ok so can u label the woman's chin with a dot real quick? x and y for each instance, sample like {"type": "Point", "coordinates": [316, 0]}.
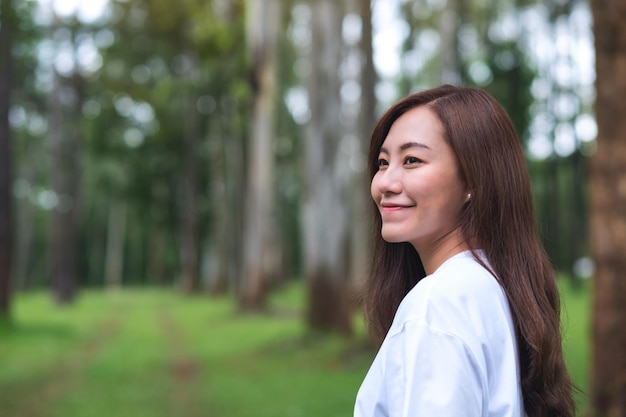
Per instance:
{"type": "Point", "coordinates": [392, 238]}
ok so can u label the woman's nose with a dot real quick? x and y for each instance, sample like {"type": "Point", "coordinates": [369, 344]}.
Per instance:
{"type": "Point", "coordinates": [387, 181]}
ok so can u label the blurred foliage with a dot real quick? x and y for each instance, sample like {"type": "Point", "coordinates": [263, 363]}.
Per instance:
{"type": "Point", "coordinates": [156, 74]}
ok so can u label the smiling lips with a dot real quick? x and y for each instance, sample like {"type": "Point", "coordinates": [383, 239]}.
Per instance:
{"type": "Point", "coordinates": [392, 207]}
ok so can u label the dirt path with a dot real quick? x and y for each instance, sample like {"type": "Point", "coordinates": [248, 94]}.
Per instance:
{"type": "Point", "coordinates": [183, 370]}
{"type": "Point", "coordinates": [62, 378]}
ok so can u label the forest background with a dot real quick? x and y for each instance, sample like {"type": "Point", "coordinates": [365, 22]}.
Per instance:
{"type": "Point", "coordinates": [218, 146]}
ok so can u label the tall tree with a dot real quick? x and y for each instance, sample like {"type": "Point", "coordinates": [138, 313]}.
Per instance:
{"type": "Point", "coordinates": [361, 245]}
{"type": "Point", "coordinates": [190, 183]}
{"type": "Point", "coordinates": [450, 22]}
{"type": "Point", "coordinates": [6, 197]}
{"type": "Point", "coordinates": [368, 72]}
{"type": "Point", "coordinates": [116, 233]}
{"type": "Point", "coordinates": [226, 109]}
{"type": "Point", "coordinates": [608, 213]}
{"type": "Point", "coordinates": [259, 244]}
{"type": "Point", "coordinates": [28, 102]}
{"type": "Point", "coordinates": [326, 198]}
{"type": "Point", "coordinates": [64, 134]}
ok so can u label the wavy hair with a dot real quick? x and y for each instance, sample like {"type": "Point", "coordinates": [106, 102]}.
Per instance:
{"type": "Point", "coordinates": [500, 221]}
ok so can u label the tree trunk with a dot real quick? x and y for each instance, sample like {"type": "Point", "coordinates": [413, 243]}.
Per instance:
{"type": "Point", "coordinates": [24, 220]}
{"type": "Point", "coordinates": [450, 22]}
{"type": "Point", "coordinates": [189, 216]}
{"type": "Point", "coordinates": [223, 257]}
{"type": "Point", "coordinates": [116, 234]}
{"type": "Point", "coordinates": [326, 223]}
{"type": "Point", "coordinates": [361, 243]}
{"type": "Point", "coordinates": [259, 245]}
{"type": "Point", "coordinates": [155, 258]}
{"type": "Point", "coordinates": [579, 223]}
{"type": "Point", "coordinates": [608, 213]}
{"type": "Point", "coordinates": [553, 207]}
{"type": "Point", "coordinates": [64, 138]}
{"type": "Point", "coordinates": [6, 196]}
{"type": "Point", "coordinates": [219, 254]}
{"type": "Point", "coordinates": [189, 239]}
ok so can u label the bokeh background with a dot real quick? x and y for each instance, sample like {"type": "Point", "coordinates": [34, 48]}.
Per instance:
{"type": "Point", "coordinates": [188, 202]}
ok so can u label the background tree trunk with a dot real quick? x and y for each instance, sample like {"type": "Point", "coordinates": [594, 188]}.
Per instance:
{"type": "Point", "coordinates": [6, 196]}
{"type": "Point", "coordinates": [608, 213]}
{"type": "Point", "coordinates": [450, 21]}
{"type": "Point", "coordinates": [361, 242]}
{"type": "Point", "coordinates": [263, 19]}
{"type": "Point", "coordinates": [24, 220]}
{"type": "Point", "coordinates": [66, 103]}
{"type": "Point", "coordinates": [116, 236]}
{"type": "Point", "coordinates": [189, 216]}
{"type": "Point", "coordinates": [327, 179]}
{"type": "Point", "coordinates": [219, 253]}
{"type": "Point", "coordinates": [155, 262]}
{"type": "Point", "coordinates": [223, 257]}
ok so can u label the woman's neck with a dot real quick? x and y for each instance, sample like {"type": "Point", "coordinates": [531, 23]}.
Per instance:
{"type": "Point", "coordinates": [433, 255]}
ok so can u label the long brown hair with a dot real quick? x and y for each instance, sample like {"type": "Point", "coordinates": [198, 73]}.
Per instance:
{"type": "Point", "coordinates": [500, 221]}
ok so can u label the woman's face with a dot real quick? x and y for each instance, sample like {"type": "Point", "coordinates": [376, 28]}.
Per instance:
{"type": "Point", "coordinates": [417, 187]}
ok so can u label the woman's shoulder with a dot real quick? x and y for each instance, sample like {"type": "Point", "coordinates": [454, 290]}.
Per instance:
{"type": "Point", "coordinates": [460, 275]}
{"type": "Point", "coordinates": [460, 290]}
{"type": "Point", "coordinates": [463, 275]}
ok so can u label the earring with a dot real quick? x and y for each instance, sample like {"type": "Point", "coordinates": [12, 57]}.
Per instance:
{"type": "Point", "coordinates": [469, 196]}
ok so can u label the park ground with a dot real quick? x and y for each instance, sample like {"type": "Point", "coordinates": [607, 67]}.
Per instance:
{"type": "Point", "coordinates": [153, 352]}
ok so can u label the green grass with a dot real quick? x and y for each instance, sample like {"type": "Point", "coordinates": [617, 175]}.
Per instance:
{"type": "Point", "coordinates": [156, 353]}
{"type": "Point", "coordinates": [575, 317]}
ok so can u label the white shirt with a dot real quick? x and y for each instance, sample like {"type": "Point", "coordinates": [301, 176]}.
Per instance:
{"type": "Point", "coordinates": [451, 350]}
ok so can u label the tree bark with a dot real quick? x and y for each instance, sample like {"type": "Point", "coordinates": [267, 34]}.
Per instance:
{"type": "Point", "coordinates": [361, 243]}
{"type": "Point", "coordinates": [64, 135]}
{"type": "Point", "coordinates": [450, 21]}
{"type": "Point", "coordinates": [6, 196]}
{"type": "Point", "coordinates": [223, 258]}
{"type": "Point", "coordinates": [580, 215]}
{"type": "Point", "coordinates": [260, 249]}
{"type": "Point", "coordinates": [189, 215]}
{"type": "Point", "coordinates": [608, 213]}
{"type": "Point", "coordinates": [189, 237]}
{"type": "Point", "coordinates": [116, 234]}
{"type": "Point", "coordinates": [219, 253]}
{"type": "Point", "coordinates": [155, 258]}
{"type": "Point", "coordinates": [326, 197]}
{"type": "Point", "coordinates": [24, 221]}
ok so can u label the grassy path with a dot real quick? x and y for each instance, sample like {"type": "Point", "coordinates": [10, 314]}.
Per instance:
{"type": "Point", "coordinates": [144, 371]}
{"type": "Point", "coordinates": [113, 354]}
{"type": "Point", "coordinates": [155, 353]}
{"type": "Point", "coordinates": [35, 394]}
{"type": "Point", "coordinates": [183, 370]}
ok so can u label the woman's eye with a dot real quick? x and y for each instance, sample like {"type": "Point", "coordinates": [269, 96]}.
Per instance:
{"type": "Point", "coordinates": [382, 163]}
{"type": "Point", "coordinates": [412, 160]}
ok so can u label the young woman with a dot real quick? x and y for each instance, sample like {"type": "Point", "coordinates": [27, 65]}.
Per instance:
{"type": "Point", "coordinates": [462, 296]}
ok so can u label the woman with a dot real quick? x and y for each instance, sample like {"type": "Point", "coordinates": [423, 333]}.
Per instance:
{"type": "Point", "coordinates": [461, 289]}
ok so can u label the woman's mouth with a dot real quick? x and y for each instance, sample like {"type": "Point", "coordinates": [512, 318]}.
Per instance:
{"type": "Point", "coordinates": [392, 207]}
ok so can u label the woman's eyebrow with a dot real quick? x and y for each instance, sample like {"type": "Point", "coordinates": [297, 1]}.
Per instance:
{"type": "Point", "coordinates": [406, 146]}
